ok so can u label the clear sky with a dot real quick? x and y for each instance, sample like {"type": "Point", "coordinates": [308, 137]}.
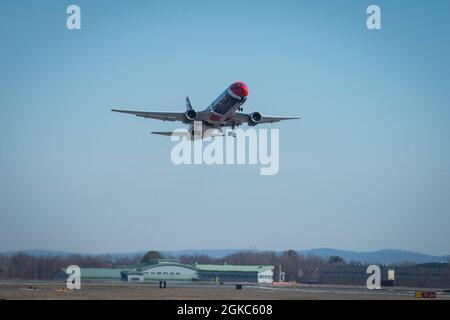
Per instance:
{"type": "Point", "coordinates": [367, 168]}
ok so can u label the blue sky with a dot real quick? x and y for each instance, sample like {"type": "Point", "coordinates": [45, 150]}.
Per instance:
{"type": "Point", "coordinates": [367, 168]}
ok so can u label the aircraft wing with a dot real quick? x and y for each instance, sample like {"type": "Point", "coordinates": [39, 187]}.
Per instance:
{"type": "Point", "coordinates": [240, 118]}
{"type": "Point", "coordinates": [164, 115]}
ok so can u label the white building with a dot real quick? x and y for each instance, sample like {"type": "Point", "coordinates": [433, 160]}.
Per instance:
{"type": "Point", "coordinates": [169, 271]}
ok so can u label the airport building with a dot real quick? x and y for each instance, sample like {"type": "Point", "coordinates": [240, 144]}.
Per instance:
{"type": "Point", "coordinates": [162, 270]}
{"type": "Point", "coordinates": [234, 273]}
{"type": "Point", "coordinates": [428, 275]}
{"type": "Point", "coordinates": [171, 270]}
{"type": "Point", "coordinates": [348, 274]}
{"type": "Point", "coordinates": [106, 274]}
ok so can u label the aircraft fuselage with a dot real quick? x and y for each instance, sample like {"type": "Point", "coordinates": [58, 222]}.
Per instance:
{"type": "Point", "coordinates": [227, 103]}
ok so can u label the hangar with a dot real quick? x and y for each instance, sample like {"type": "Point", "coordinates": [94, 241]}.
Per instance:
{"type": "Point", "coordinates": [235, 273]}
{"type": "Point", "coordinates": [163, 270]}
{"type": "Point", "coordinates": [91, 274]}
{"type": "Point", "coordinates": [172, 270]}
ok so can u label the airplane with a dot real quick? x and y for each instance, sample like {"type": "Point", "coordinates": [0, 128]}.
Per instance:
{"type": "Point", "coordinates": [222, 112]}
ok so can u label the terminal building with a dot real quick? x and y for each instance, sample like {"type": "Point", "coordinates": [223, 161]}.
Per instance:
{"type": "Point", "coordinates": [427, 275]}
{"type": "Point", "coordinates": [348, 274]}
{"type": "Point", "coordinates": [172, 270]}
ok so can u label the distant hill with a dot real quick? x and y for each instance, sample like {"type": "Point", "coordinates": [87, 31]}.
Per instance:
{"type": "Point", "coordinates": [39, 253]}
{"type": "Point", "coordinates": [54, 253]}
{"type": "Point", "coordinates": [388, 256]}
{"type": "Point", "coordinates": [213, 253]}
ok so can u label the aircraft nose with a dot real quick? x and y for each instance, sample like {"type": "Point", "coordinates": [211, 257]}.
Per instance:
{"type": "Point", "coordinates": [240, 89]}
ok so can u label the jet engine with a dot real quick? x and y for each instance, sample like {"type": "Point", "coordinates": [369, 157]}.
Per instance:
{"type": "Point", "coordinates": [255, 118]}
{"type": "Point", "coordinates": [191, 114]}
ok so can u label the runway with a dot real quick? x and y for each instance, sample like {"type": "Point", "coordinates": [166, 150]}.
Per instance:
{"type": "Point", "coordinates": [189, 291]}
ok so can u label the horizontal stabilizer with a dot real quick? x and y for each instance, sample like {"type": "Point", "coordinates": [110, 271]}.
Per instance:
{"type": "Point", "coordinates": [187, 134]}
{"type": "Point", "coordinates": [173, 133]}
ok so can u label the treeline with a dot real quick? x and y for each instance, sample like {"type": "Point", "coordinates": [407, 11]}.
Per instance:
{"type": "Point", "coordinates": [25, 266]}
{"type": "Point", "coordinates": [296, 267]}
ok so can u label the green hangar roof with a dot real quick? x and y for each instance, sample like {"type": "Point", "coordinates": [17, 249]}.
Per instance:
{"type": "Point", "coordinates": [142, 267]}
{"type": "Point", "coordinates": [95, 273]}
{"type": "Point", "coordinates": [232, 268]}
